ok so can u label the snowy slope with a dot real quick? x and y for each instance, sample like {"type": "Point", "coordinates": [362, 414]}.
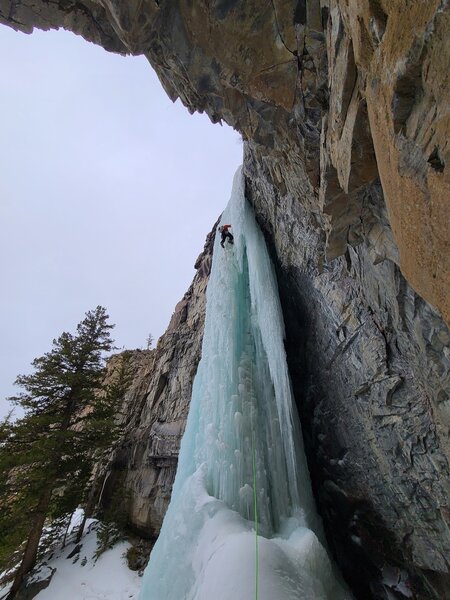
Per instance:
{"type": "Point", "coordinates": [82, 577]}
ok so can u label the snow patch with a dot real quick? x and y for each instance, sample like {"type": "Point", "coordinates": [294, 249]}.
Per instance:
{"type": "Point", "coordinates": [82, 577]}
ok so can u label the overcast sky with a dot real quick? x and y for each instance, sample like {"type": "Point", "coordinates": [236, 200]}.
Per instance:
{"type": "Point", "coordinates": [107, 192]}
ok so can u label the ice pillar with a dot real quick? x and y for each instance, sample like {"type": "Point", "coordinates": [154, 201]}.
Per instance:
{"type": "Point", "coordinates": [241, 458]}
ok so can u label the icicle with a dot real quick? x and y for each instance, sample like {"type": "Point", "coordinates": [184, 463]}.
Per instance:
{"type": "Point", "coordinates": [242, 443]}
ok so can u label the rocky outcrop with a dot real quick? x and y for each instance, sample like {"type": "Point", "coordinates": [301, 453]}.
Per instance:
{"type": "Point", "coordinates": [39, 579]}
{"type": "Point", "coordinates": [344, 90]}
{"type": "Point", "coordinates": [344, 110]}
{"type": "Point", "coordinates": [370, 365]}
{"type": "Point", "coordinates": [155, 406]}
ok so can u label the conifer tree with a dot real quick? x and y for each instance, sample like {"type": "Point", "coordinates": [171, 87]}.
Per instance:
{"type": "Point", "coordinates": [46, 457]}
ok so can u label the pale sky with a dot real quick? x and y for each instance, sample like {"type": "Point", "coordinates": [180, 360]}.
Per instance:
{"type": "Point", "coordinates": [107, 192]}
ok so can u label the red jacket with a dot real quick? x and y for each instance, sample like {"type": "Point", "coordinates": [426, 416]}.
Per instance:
{"type": "Point", "coordinates": [225, 228]}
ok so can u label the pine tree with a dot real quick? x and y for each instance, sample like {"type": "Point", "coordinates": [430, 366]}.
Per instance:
{"type": "Point", "coordinates": [46, 457]}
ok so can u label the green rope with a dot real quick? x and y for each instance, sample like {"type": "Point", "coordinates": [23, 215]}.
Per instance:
{"type": "Point", "coordinates": [255, 507]}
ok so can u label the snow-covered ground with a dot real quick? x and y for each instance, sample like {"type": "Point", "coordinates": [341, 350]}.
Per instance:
{"type": "Point", "coordinates": [82, 577]}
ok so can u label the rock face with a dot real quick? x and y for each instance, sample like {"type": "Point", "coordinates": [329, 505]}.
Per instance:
{"type": "Point", "coordinates": [155, 408]}
{"type": "Point", "coordinates": [369, 363]}
{"type": "Point", "coordinates": [345, 91]}
{"type": "Point", "coordinates": [38, 580]}
{"type": "Point", "coordinates": [344, 110]}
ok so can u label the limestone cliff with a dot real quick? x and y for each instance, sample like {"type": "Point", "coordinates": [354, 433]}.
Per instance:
{"type": "Point", "coordinates": [344, 110]}
{"type": "Point", "coordinates": [339, 92]}
{"type": "Point", "coordinates": [369, 362]}
{"type": "Point", "coordinates": [155, 408]}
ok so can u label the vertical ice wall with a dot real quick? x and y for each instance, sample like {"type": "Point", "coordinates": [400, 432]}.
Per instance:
{"type": "Point", "coordinates": [241, 462]}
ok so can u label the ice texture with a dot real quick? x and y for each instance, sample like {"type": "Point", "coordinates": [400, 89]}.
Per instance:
{"type": "Point", "coordinates": [242, 466]}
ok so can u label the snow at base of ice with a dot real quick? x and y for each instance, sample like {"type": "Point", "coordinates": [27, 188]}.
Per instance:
{"type": "Point", "coordinates": [241, 462]}
{"type": "Point", "coordinates": [107, 578]}
{"type": "Point", "coordinates": [221, 556]}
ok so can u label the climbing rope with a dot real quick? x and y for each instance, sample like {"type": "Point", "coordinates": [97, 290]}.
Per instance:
{"type": "Point", "coordinates": [255, 499]}
{"type": "Point", "coordinates": [255, 508]}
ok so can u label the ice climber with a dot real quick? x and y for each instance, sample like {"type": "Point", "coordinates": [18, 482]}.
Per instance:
{"type": "Point", "coordinates": [225, 234]}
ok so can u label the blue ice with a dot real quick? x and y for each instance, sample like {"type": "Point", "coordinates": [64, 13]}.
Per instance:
{"type": "Point", "coordinates": [242, 466]}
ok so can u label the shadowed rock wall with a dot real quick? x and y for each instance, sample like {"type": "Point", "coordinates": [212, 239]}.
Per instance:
{"type": "Point", "coordinates": [370, 364]}
{"type": "Point", "coordinates": [344, 109]}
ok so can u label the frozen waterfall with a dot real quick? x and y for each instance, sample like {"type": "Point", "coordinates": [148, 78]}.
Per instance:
{"type": "Point", "coordinates": [241, 467]}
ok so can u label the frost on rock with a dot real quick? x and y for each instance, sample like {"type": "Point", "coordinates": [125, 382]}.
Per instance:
{"type": "Point", "coordinates": [242, 450]}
